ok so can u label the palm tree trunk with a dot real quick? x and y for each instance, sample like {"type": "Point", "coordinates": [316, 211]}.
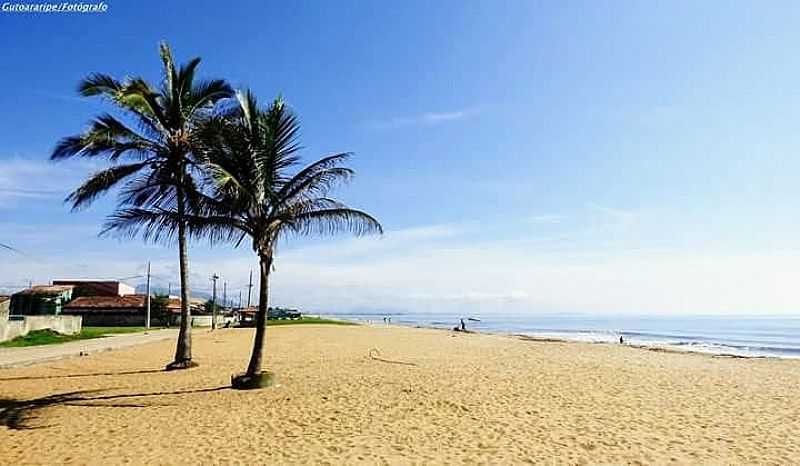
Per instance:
{"type": "Point", "coordinates": [254, 367]}
{"type": "Point", "coordinates": [183, 352]}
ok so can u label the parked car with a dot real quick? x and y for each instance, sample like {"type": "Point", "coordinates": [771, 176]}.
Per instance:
{"type": "Point", "coordinates": [278, 313]}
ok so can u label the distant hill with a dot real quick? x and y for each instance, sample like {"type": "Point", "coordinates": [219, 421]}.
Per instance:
{"type": "Point", "coordinates": [176, 291]}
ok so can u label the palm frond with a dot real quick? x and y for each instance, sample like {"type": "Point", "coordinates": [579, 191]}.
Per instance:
{"type": "Point", "coordinates": [319, 184]}
{"type": "Point", "coordinates": [161, 226]}
{"type": "Point", "coordinates": [101, 182]}
{"type": "Point", "coordinates": [107, 136]}
{"type": "Point", "coordinates": [332, 221]}
{"type": "Point", "coordinates": [185, 82]}
{"type": "Point", "coordinates": [68, 147]}
{"type": "Point", "coordinates": [99, 84]}
{"type": "Point", "coordinates": [317, 177]}
{"type": "Point", "coordinates": [140, 95]}
{"type": "Point", "coordinates": [205, 94]}
{"type": "Point", "coordinates": [288, 214]}
{"type": "Point", "coordinates": [169, 74]}
{"type": "Point", "coordinates": [110, 128]}
{"type": "Point", "coordinates": [156, 188]}
{"type": "Point", "coordinates": [248, 106]}
{"type": "Point", "coordinates": [283, 127]}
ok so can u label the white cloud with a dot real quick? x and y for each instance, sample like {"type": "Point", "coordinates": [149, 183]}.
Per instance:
{"type": "Point", "coordinates": [22, 179]}
{"type": "Point", "coordinates": [439, 117]}
{"type": "Point", "coordinates": [547, 219]}
{"type": "Point", "coordinates": [493, 277]}
{"type": "Point", "coordinates": [619, 216]}
{"type": "Point", "coordinates": [450, 268]}
{"type": "Point", "coordinates": [423, 119]}
{"type": "Point", "coordinates": [31, 179]}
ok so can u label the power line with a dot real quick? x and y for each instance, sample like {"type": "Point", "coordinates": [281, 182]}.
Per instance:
{"type": "Point", "coordinates": [5, 246]}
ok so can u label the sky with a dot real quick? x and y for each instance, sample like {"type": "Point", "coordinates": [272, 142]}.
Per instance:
{"type": "Point", "coordinates": [522, 156]}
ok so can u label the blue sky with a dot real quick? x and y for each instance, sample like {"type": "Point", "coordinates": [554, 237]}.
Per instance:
{"type": "Point", "coordinates": [596, 157]}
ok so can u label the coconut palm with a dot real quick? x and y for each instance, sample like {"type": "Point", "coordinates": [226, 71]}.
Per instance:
{"type": "Point", "coordinates": [254, 191]}
{"type": "Point", "coordinates": [151, 153]}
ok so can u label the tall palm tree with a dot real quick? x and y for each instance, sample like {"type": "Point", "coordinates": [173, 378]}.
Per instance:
{"type": "Point", "coordinates": [255, 192]}
{"type": "Point", "coordinates": [154, 159]}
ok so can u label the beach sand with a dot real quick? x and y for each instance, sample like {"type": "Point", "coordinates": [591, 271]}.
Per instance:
{"type": "Point", "coordinates": [469, 398]}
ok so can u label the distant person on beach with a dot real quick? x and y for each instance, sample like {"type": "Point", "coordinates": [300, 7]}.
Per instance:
{"type": "Point", "coordinates": [621, 341]}
{"type": "Point", "coordinates": [461, 327]}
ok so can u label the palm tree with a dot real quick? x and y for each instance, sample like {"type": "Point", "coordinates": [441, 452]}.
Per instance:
{"type": "Point", "coordinates": [153, 160]}
{"type": "Point", "coordinates": [249, 153]}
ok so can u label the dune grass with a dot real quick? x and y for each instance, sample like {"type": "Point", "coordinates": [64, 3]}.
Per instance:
{"type": "Point", "coordinates": [49, 337]}
{"type": "Point", "coordinates": [308, 320]}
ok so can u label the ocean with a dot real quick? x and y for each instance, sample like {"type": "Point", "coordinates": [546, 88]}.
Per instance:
{"type": "Point", "coordinates": [777, 337]}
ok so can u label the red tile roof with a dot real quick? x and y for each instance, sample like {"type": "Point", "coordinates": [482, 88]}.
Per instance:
{"type": "Point", "coordinates": [94, 287]}
{"type": "Point", "coordinates": [128, 303]}
{"type": "Point", "coordinates": [47, 290]}
{"type": "Point", "coordinates": [174, 305]}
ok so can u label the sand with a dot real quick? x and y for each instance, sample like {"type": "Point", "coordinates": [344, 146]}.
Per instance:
{"type": "Point", "coordinates": [469, 398]}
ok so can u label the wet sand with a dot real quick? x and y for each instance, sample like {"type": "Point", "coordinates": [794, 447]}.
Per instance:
{"type": "Point", "coordinates": [428, 396]}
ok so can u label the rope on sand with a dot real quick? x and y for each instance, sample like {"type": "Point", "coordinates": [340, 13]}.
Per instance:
{"type": "Point", "coordinates": [375, 354]}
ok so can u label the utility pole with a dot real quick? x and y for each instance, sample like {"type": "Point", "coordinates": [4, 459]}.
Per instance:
{"type": "Point", "coordinates": [214, 279]}
{"type": "Point", "coordinates": [147, 319]}
{"type": "Point", "coordinates": [240, 300]}
{"type": "Point", "coordinates": [224, 295]}
{"type": "Point", "coordinates": [250, 288]}
{"type": "Point", "coordinates": [169, 288]}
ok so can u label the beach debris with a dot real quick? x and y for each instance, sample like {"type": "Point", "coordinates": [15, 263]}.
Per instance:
{"type": "Point", "coordinates": [375, 355]}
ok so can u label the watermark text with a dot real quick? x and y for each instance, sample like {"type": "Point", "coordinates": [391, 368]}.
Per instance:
{"type": "Point", "coordinates": [47, 7]}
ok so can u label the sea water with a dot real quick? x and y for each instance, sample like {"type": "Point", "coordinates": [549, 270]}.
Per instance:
{"type": "Point", "coordinates": [735, 336]}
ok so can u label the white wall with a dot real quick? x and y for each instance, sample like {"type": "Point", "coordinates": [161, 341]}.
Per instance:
{"type": "Point", "coordinates": [203, 321]}
{"type": "Point", "coordinates": [22, 325]}
{"type": "Point", "coordinates": [125, 290]}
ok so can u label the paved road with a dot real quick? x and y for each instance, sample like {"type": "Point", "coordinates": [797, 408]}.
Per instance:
{"type": "Point", "coordinates": [14, 357]}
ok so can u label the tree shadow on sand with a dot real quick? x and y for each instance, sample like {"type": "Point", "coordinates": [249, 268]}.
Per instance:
{"type": "Point", "coordinates": [19, 414]}
{"type": "Point", "coordinates": [92, 374]}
